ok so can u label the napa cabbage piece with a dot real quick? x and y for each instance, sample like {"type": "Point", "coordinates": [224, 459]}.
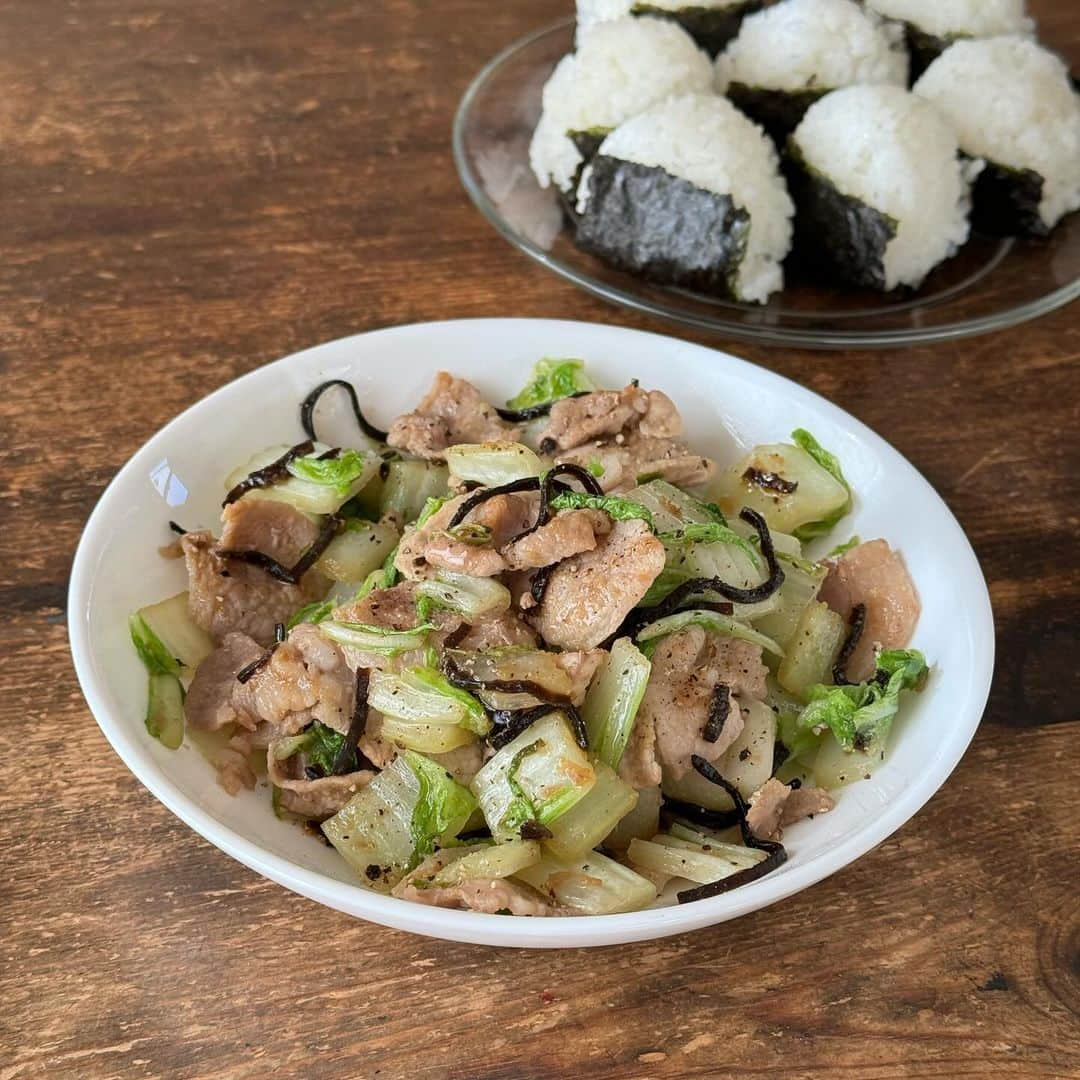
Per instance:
{"type": "Point", "coordinates": [612, 701]}
{"type": "Point", "coordinates": [320, 746]}
{"type": "Point", "coordinates": [699, 542]}
{"type": "Point", "coordinates": [398, 819]}
{"type": "Point", "coordinates": [360, 548]}
{"type": "Point", "coordinates": [492, 463]}
{"type": "Point", "coordinates": [486, 861]}
{"type": "Point", "coordinates": [812, 649]}
{"type": "Point", "coordinates": [712, 621]}
{"type": "Point", "coordinates": [376, 639]}
{"type": "Point", "coordinates": [408, 486]}
{"type": "Point", "coordinates": [169, 622]}
{"type": "Point", "coordinates": [802, 583]}
{"type": "Point", "coordinates": [747, 763]}
{"type": "Point", "coordinates": [590, 885]}
{"type": "Point", "coordinates": [164, 717]}
{"type": "Point", "coordinates": [701, 862]}
{"type": "Point", "coordinates": [615, 506]}
{"type": "Point", "coordinates": [467, 596]}
{"type": "Point", "coordinates": [537, 777]}
{"type": "Point", "coordinates": [422, 711]}
{"type": "Point", "coordinates": [313, 486]}
{"type": "Point", "coordinates": [513, 664]}
{"type": "Point", "coordinates": [861, 715]}
{"type": "Point", "coordinates": [798, 489]}
{"type": "Point", "coordinates": [551, 380]}
{"type": "Point", "coordinates": [589, 822]}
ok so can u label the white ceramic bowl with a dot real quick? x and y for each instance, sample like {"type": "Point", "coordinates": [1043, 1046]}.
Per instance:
{"type": "Point", "coordinates": [727, 404]}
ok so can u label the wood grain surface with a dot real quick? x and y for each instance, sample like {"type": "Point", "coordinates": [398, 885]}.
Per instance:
{"type": "Point", "coordinates": [188, 190]}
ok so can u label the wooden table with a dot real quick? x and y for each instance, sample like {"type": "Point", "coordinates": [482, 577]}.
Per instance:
{"type": "Point", "coordinates": [192, 189]}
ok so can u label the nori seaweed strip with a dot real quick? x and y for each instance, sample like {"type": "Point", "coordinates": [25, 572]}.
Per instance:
{"type": "Point", "coordinates": [526, 483]}
{"type": "Point", "coordinates": [285, 574]}
{"type": "Point", "coordinates": [642, 219]}
{"type": "Point", "coordinates": [769, 481]}
{"type": "Point", "coordinates": [531, 412]}
{"type": "Point", "coordinates": [719, 711]}
{"type": "Point", "coordinates": [836, 233]}
{"type": "Point", "coordinates": [857, 621]}
{"type": "Point", "coordinates": [270, 474]}
{"type": "Point", "coordinates": [776, 852]}
{"type": "Point", "coordinates": [350, 751]}
{"type": "Point", "coordinates": [779, 112]}
{"type": "Point", "coordinates": [249, 670]}
{"type": "Point", "coordinates": [711, 28]}
{"type": "Point", "coordinates": [178, 529]}
{"type": "Point", "coordinates": [924, 49]}
{"type": "Point", "coordinates": [307, 410]}
{"type": "Point", "coordinates": [1005, 202]}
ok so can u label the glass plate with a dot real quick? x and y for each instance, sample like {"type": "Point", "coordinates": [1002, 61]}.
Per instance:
{"type": "Point", "coordinates": [990, 284]}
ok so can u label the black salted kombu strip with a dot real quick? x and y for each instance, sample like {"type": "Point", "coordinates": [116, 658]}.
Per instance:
{"type": "Point", "coordinates": [857, 622]}
{"type": "Point", "coordinates": [776, 854]}
{"type": "Point", "coordinates": [719, 711]}
{"type": "Point", "coordinates": [307, 410]}
{"type": "Point", "coordinates": [256, 665]}
{"type": "Point", "coordinates": [178, 529]}
{"type": "Point", "coordinates": [463, 680]}
{"type": "Point", "coordinates": [533, 830]}
{"type": "Point", "coordinates": [770, 481]}
{"type": "Point", "coordinates": [349, 754]}
{"type": "Point", "coordinates": [531, 412]}
{"type": "Point", "coordinates": [510, 723]}
{"type": "Point", "coordinates": [270, 474]}
{"type": "Point", "coordinates": [712, 819]}
{"type": "Point", "coordinates": [681, 594]}
{"type": "Point", "coordinates": [290, 575]}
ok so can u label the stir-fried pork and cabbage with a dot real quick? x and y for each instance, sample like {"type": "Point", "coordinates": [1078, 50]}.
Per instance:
{"type": "Point", "coordinates": [536, 660]}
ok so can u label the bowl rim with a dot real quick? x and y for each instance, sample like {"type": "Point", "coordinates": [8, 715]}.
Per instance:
{"type": "Point", "coordinates": [130, 743]}
{"type": "Point", "coordinates": [765, 334]}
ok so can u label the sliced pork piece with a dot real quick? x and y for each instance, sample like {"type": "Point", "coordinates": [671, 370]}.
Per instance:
{"type": "Point", "coordinates": [451, 412]}
{"type": "Point", "coordinates": [490, 895]}
{"type": "Point", "coordinates": [581, 667]}
{"type": "Point", "coordinates": [274, 528]}
{"type": "Point", "coordinates": [623, 465]}
{"type": "Point", "coordinates": [588, 596]}
{"type": "Point", "coordinates": [305, 679]}
{"type": "Point", "coordinates": [215, 698]}
{"type": "Point", "coordinates": [874, 575]}
{"type": "Point", "coordinates": [499, 632]}
{"type": "Point", "coordinates": [609, 413]}
{"type": "Point", "coordinates": [687, 667]}
{"type": "Point", "coordinates": [463, 763]}
{"type": "Point", "coordinates": [227, 595]}
{"type": "Point", "coordinates": [568, 533]}
{"type": "Point", "coordinates": [426, 549]}
{"type": "Point", "coordinates": [391, 609]}
{"type": "Point", "coordinates": [775, 805]}
{"type": "Point", "coordinates": [317, 799]}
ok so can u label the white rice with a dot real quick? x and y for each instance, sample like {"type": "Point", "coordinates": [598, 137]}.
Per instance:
{"type": "Point", "coordinates": [897, 153]}
{"type": "Point", "coordinates": [958, 18]}
{"type": "Point", "coordinates": [820, 44]}
{"type": "Point", "coordinates": [620, 70]}
{"type": "Point", "coordinates": [1010, 102]}
{"type": "Point", "coordinates": [591, 12]}
{"type": "Point", "coordinates": [705, 140]}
